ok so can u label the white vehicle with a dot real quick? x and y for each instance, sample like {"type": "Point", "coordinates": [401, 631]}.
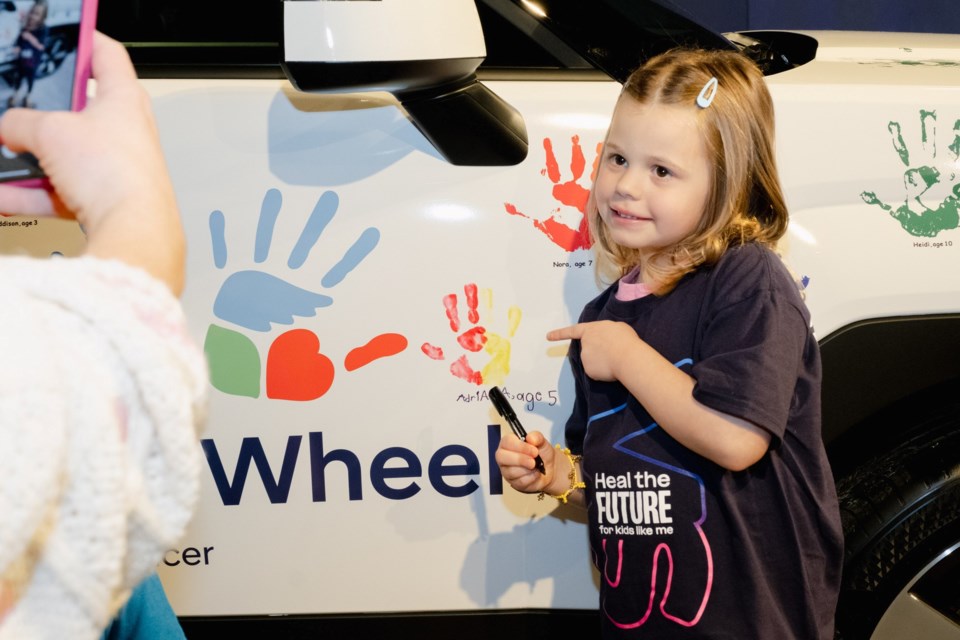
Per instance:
{"type": "Point", "coordinates": [356, 200]}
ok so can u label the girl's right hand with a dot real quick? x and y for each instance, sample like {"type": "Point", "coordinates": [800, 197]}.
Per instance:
{"type": "Point", "coordinates": [516, 459]}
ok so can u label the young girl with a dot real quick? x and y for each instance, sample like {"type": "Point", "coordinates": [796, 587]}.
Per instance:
{"type": "Point", "coordinates": [31, 43]}
{"type": "Point", "coordinates": [712, 509]}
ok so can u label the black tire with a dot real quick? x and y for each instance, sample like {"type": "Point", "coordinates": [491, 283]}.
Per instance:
{"type": "Point", "coordinates": [53, 57]}
{"type": "Point", "coordinates": [901, 512]}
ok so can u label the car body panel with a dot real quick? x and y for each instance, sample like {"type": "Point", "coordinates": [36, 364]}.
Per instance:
{"type": "Point", "coordinates": [442, 227]}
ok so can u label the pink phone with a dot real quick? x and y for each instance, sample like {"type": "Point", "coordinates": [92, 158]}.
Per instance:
{"type": "Point", "coordinates": [45, 50]}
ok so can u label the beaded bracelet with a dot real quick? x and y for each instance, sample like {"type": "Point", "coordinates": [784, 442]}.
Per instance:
{"type": "Point", "coordinates": [575, 482]}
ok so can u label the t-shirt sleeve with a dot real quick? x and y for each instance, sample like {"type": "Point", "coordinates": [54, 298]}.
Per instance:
{"type": "Point", "coordinates": [750, 358]}
{"type": "Point", "coordinates": [576, 428]}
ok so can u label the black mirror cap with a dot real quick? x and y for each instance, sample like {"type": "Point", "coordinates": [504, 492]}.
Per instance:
{"type": "Point", "coordinates": [469, 124]}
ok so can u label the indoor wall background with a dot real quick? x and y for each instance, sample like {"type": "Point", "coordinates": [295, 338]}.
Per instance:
{"type": "Point", "coordinates": [937, 16]}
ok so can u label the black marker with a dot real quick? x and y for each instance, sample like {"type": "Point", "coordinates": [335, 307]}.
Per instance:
{"type": "Point", "coordinates": [506, 411]}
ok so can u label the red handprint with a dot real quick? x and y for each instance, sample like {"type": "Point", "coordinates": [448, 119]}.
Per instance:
{"type": "Point", "coordinates": [570, 193]}
{"type": "Point", "coordinates": [476, 339]}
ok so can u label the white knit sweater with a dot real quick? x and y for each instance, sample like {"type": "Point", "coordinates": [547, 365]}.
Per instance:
{"type": "Point", "coordinates": [101, 396]}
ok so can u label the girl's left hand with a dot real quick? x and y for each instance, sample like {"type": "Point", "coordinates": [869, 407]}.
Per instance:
{"type": "Point", "coordinates": [603, 346]}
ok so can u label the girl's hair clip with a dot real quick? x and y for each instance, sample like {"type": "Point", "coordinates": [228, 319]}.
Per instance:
{"type": "Point", "coordinates": [708, 93]}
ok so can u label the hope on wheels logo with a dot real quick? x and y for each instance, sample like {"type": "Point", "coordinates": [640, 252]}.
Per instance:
{"type": "Point", "coordinates": [254, 300]}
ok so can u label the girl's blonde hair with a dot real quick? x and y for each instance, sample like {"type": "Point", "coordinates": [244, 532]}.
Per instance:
{"type": "Point", "coordinates": [745, 202]}
{"type": "Point", "coordinates": [39, 4]}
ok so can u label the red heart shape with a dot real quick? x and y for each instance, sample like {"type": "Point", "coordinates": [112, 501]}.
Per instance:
{"type": "Point", "coordinates": [296, 370]}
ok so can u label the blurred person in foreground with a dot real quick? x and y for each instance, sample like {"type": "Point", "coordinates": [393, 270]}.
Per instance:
{"type": "Point", "coordinates": [103, 390]}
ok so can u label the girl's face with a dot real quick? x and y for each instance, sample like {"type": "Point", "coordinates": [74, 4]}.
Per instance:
{"type": "Point", "coordinates": [35, 16]}
{"type": "Point", "coordinates": [655, 175]}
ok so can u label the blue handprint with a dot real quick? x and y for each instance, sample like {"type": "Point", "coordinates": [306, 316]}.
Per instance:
{"type": "Point", "coordinates": [256, 300]}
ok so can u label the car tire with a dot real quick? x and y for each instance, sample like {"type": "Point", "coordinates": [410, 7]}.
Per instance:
{"type": "Point", "coordinates": [53, 57]}
{"type": "Point", "coordinates": [901, 520]}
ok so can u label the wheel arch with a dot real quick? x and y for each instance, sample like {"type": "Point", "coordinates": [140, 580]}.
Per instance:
{"type": "Point", "coordinates": [890, 414]}
{"type": "Point", "coordinates": [872, 365]}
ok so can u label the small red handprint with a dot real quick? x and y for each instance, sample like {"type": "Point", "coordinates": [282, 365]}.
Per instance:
{"type": "Point", "coordinates": [477, 338]}
{"type": "Point", "coordinates": [570, 194]}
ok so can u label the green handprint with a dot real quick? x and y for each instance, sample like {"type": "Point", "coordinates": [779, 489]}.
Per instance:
{"type": "Point", "coordinates": [914, 216]}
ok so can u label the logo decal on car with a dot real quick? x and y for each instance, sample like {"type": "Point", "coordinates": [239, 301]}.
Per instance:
{"type": "Point", "coordinates": [256, 300]}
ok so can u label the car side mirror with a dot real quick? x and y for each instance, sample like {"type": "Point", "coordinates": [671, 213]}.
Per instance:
{"type": "Point", "coordinates": [424, 52]}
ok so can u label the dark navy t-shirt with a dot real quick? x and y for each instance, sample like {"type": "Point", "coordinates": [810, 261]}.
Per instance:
{"type": "Point", "coordinates": [686, 548]}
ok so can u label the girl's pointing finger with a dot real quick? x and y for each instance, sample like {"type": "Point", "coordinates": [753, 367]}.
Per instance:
{"type": "Point", "coordinates": [572, 332]}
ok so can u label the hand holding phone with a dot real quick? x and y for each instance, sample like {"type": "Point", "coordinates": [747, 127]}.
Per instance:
{"type": "Point", "coordinates": [106, 168]}
{"type": "Point", "coordinates": [503, 407]}
{"type": "Point", "coordinates": [47, 65]}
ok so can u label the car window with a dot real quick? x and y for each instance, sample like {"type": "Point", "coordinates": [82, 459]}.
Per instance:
{"type": "Point", "coordinates": [616, 36]}
{"type": "Point", "coordinates": [210, 37]}
{"type": "Point", "coordinates": [192, 38]}
{"type": "Point", "coordinates": [216, 38]}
